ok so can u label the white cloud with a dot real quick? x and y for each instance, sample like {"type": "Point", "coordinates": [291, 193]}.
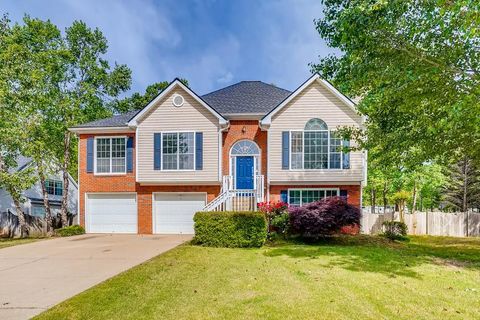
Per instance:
{"type": "Point", "coordinates": [205, 66]}
{"type": "Point", "coordinates": [134, 29]}
{"type": "Point", "coordinates": [271, 41]}
{"type": "Point", "coordinates": [226, 78]}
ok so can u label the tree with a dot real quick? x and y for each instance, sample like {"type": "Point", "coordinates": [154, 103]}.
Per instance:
{"type": "Point", "coordinates": [416, 66]}
{"type": "Point", "coordinates": [12, 120]}
{"type": "Point", "coordinates": [85, 86]}
{"type": "Point", "coordinates": [138, 101]}
{"type": "Point", "coordinates": [38, 43]}
{"type": "Point", "coordinates": [463, 190]}
{"type": "Point", "coordinates": [58, 80]}
{"type": "Point", "coordinates": [400, 199]}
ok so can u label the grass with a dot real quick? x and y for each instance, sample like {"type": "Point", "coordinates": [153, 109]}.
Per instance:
{"type": "Point", "coordinates": [345, 278]}
{"type": "Point", "coordinates": [9, 242]}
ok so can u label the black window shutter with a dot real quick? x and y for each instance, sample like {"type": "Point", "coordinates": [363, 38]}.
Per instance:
{"type": "Point", "coordinates": [344, 194]}
{"type": "Point", "coordinates": [157, 151]}
{"type": "Point", "coordinates": [198, 150]}
{"type": "Point", "coordinates": [130, 154]}
{"type": "Point", "coordinates": [284, 196]}
{"type": "Point", "coordinates": [90, 144]}
{"type": "Point", "coordinates": [285, 150]}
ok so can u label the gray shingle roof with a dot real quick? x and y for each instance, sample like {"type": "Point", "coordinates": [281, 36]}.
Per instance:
{"type": "Point", "coordinates": [120, 120]}
{"type": "Point", "coordinates": [22, 162]}
{"type": "Point", "coordinates": [246, 97]}
{"type": "Point", "coordinates": [254, 97]}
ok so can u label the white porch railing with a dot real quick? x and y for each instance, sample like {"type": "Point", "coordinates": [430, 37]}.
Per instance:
{"type": "Point", "coordinates": [231, 199]}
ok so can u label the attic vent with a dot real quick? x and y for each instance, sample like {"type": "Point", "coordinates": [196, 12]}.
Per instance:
{"type": "Point", "coordinates": [178, 100]}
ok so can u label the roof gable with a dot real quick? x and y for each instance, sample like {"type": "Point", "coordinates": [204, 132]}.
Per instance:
{"type": "Point", "coordinates": [144, 112]}
{"type": "Point", "coordinates": [267, 119]}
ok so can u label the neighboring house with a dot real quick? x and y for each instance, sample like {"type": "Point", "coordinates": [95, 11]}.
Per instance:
{"type": "Point", "coordinates": [149, 171]}
{"type": "Point", "coordinates": [33, 204]}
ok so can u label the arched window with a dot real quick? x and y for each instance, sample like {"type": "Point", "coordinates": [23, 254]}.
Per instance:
{"type": "Point", "coordinates": [245, 147]}
{"type": "Point", "coordinates": [316, 147]}
{"type": "Point", "coordinates": [316, 124]}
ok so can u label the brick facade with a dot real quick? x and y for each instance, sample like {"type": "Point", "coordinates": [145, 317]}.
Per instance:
{"type": "Point", "coordinates": [91, 183]}
{"type": "Point", "coordinates": [238, 130]}
{"type": "Point", "coordinates": [244, 130]}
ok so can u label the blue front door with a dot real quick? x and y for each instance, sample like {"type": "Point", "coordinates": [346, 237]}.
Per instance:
{"type": "Point", "coordinates": [244, 173]}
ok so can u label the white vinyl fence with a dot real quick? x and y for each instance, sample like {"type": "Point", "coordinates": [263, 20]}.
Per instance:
{"type": "Point", "coordinates": [460, 224]}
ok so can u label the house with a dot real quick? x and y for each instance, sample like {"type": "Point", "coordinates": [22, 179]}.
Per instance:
{"type": "Point", "coordinates": [149, 171]}
{"type": "Point", "coordinates": [33, 204]}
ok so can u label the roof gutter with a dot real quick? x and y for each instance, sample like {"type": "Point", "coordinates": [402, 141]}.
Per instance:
{"type": "Point", "coordinates": [87, 130]}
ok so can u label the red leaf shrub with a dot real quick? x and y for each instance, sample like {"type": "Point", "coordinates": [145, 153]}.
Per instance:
{"type": "Point", "coordinates": [323, 218]}
{"type": "Point", "coordinates": [352, 230]}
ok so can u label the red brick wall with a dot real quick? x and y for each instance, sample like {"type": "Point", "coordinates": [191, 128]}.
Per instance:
{"type": "Point", "coordinates": [126, 183]}
{"type": "Point", "coordinates": [244, 130]}
{"type": "Point", "coordinates": [353, 191]}
{"type": "Point", "coordinates": [94, 183]}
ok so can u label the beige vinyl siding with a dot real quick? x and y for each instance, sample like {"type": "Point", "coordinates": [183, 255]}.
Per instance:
{"type": "Point", "coordinates": [314, 102]}
{"type": "Point", "coordinates": [192, 116]}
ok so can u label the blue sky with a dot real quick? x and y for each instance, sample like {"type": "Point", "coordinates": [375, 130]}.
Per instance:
{"type": "Point", "coordinates": [210, 43]}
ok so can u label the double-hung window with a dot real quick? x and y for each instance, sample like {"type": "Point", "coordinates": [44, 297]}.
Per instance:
{"type": "Point", "coordinates": [110, 155]}
{"type": "Point", "coordinates": [316, 147]}
{"type": "Point", "coordinates": [178, 150]}
{"type": "Point", "coordinates": [54, 187]}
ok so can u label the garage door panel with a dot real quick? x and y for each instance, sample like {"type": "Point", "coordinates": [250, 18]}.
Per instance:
{"type": "Point", "coordinates": [112, 213]}
{"type": "Point", "coordinates": [174, 211]}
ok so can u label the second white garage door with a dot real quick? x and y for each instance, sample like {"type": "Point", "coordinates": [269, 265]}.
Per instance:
{"type": "Point", "coordinates": [173, 212]}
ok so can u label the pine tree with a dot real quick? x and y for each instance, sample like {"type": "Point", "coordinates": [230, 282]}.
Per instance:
{"type": "Point", "coordinates": [463, 189]}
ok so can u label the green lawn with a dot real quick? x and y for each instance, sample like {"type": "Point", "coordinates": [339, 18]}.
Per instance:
{"type": "Point", "coordinates": [347, 278]}
{"type": "Point", "coordinates": [8, 242]}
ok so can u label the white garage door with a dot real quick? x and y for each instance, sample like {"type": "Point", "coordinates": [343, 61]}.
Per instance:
{"type": "Point", "coordinates": [173, 212]}
{"type": "Point", "coordinates": [111, 213]}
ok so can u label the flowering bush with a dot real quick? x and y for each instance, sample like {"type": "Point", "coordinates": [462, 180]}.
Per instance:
{"type": "Point", "coordinates": [272, 208]}
{"type": "Point", "coordinates": [276, 214]}
{"type": "Point", "coordinates": [322, 218]}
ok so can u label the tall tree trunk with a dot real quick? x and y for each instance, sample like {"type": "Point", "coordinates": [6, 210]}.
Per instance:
{"type": "Point", "coordinates": [21, 217]}
{"type": "Point", "coordinates": [465, 185]}
{"type": "Point", "coordinates": [65, 167]}
{"type": "Point", "coordinates": [421, 202]}
{"type": "Point", "coordinates": [373, 197]}
{"type": "Point", "coordinates": [384, 197]}
{"type": "Point", "coordinates": [401, 208]}
{"type": "Point", "coordinates": [46, 203]}
{"type": "Point", "coordinates": [414, 196]}
{"type": "Point", "coordinates": [414, 207]}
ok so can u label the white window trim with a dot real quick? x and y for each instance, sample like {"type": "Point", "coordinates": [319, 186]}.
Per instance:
{"type": "Point", "coordinates": [303, 152]}
{"type": "Point", "coordinates": [178, 154]}
{"type": "Point", "coordinates": [257, 167]}
{"type": "Point", "coordinates": [95, 157]}
{"type": "Point", "coordinates": [310, 189]}
{"type": "Point", "coordinates": [54, 181]}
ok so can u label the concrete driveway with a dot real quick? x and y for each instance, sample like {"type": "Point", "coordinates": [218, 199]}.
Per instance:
{"type": "Point", "coordinates": [36, 276]}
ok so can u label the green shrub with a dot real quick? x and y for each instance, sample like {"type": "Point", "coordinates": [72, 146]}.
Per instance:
{"type": "Point", "coordinates": [230, 229]}
{"type": "Point", "coordinates": [280, 223]}
{"type": "Point", "coordinates": [70, 231]}
{"type": "Point", "coordinates": [395, 230]}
